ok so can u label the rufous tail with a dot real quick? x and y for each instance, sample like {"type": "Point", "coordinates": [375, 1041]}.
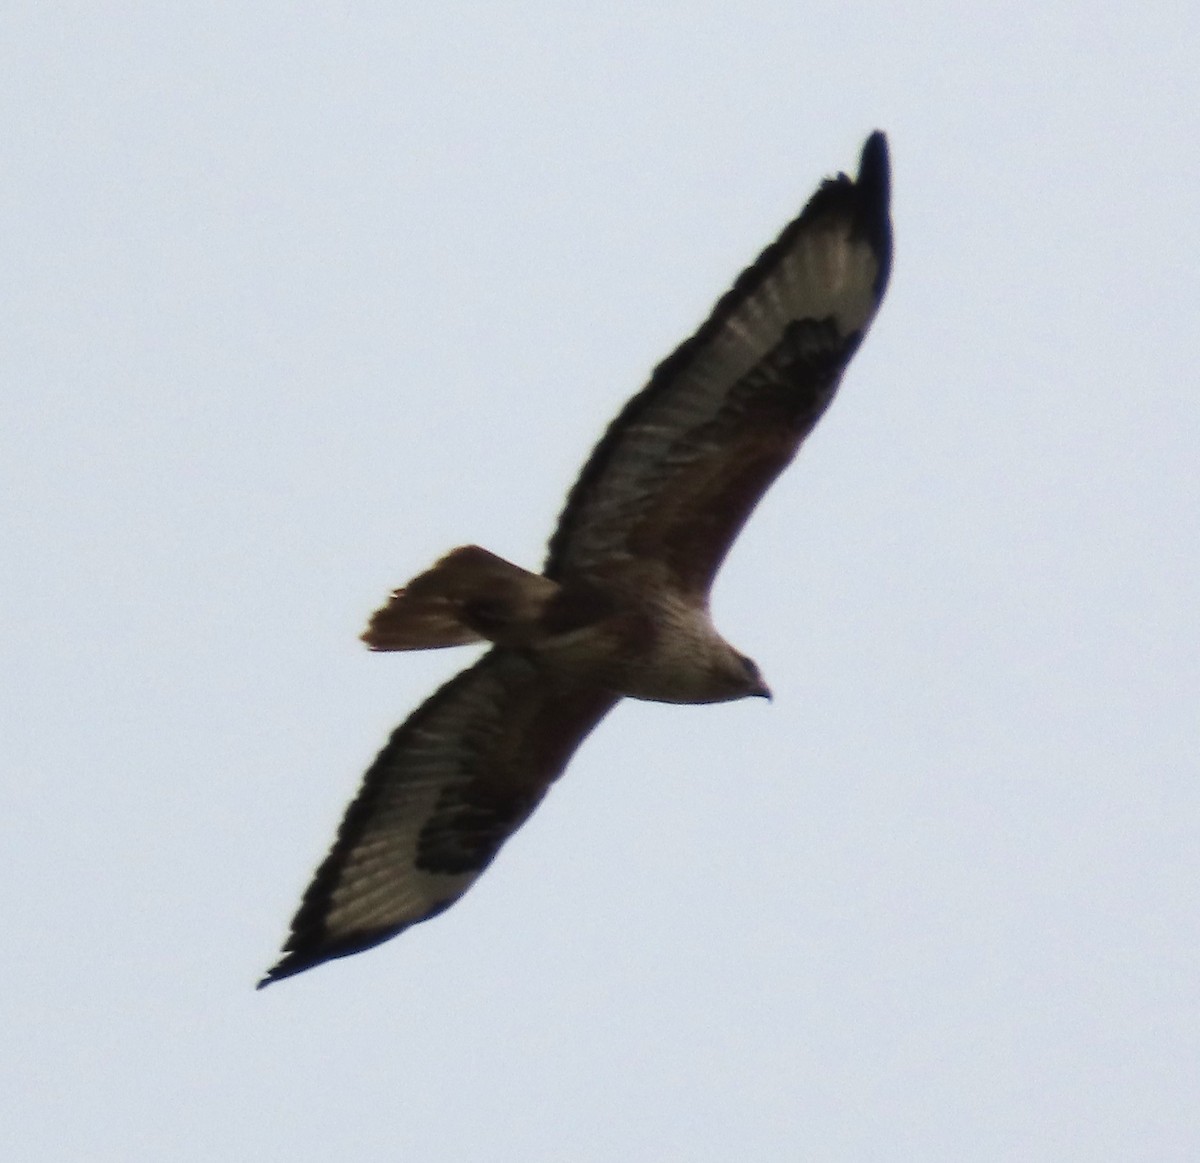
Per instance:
{"type": "Point", "coordinates": [467, 596]}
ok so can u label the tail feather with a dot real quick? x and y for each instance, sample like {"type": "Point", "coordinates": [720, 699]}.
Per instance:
{"type": "Point", "coordinates": [467, 596]}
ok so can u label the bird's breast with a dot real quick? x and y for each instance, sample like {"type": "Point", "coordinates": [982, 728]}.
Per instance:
{"type": "Point", "coordinates": [658, 649]}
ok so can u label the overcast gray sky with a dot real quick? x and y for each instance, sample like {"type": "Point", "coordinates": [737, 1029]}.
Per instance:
{"type": "Point", "coordinates": [297, 297]}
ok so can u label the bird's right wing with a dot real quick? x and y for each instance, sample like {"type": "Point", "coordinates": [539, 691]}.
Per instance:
{"type": "Point", "coordinates": [682, 466]}
{"type": "Point", "coordinates": [452, 784]}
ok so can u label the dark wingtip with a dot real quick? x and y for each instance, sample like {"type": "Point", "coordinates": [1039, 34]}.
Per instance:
{"type": "Point", "coordinates": [284, 968]}
{"type": "Point", "coordinates": [319, 950]}
{"type": "Point", "coordinates": [874, 168]}
{"type": "Point", "coordinates": [298, 960]}
{"type": "Point", "coordinates": [874, 187]}
{"type": "Point", "coordinates": [295, 963]}
{"type": "Point", "coordinates": [865, 201]}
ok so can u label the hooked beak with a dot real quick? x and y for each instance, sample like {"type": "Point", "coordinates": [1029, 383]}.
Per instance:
{"type": "Point", "coordinates": [762, 691]}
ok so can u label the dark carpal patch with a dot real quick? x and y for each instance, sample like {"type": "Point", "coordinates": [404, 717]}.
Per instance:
{"type": "Point", "coordinates": [464, 832]}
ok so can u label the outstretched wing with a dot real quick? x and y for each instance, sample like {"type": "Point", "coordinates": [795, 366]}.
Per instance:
{"type": "Point", "coordinates": [452, 784]}
{"type": "Point", "coordinates": [673, 480]}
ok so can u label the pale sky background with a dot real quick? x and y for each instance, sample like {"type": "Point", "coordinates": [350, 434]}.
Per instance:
{"type": "Point", "coordinates": [297, 297]}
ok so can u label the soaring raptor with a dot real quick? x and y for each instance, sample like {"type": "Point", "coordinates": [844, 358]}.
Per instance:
{"type": "Point", "coordinates": [621, 607]}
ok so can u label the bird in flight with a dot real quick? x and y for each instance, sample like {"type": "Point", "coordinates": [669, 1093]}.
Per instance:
{"type": "Point", "coordinates": [621, 608]}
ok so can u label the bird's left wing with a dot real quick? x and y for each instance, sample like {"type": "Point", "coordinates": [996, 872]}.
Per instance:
{"type": "Point", "coordinates": [681, 468]}
{"type": "Point", "coordinates": [453, 783]}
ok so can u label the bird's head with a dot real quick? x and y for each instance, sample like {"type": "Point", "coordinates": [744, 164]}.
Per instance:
{"type": "Point", "coordinates": [738, 677]}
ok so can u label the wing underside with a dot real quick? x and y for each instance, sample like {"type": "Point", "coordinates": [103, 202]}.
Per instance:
{"type": "Point", "coordinates": [681, 468]}
{"type": "Point", "coordinates": [453, 783]}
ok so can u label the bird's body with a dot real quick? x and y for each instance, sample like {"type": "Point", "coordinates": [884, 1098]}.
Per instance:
{"type": "Point", "coordinates": [621, 608]}
{"type": "Point", "coordinates": [664, 651]}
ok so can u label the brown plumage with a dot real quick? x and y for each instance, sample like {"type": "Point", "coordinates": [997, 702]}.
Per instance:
{"type": "Point", "coordinates": [621, 608]}
{"type": "Point", "coordinates": [467, 596]}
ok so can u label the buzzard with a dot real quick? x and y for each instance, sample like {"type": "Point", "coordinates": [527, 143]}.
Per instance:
{"type": "Point", "coordinates": [621, 607]}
